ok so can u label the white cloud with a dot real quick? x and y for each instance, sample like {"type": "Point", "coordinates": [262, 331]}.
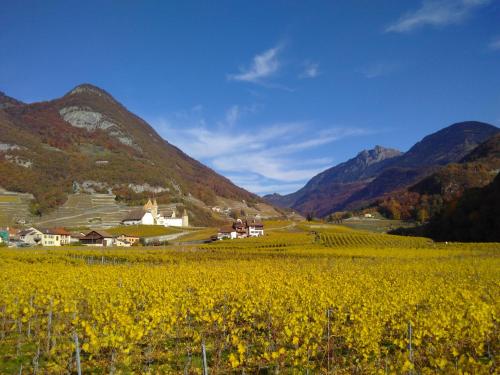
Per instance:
{"type": "Point", "coordinates": [495, 44]}
{"type": "Point", "coordinates": [201, 142]}
{"type": "Point", "coordinates": [269, 166]}
{"type": "Point", "coordinates": [379, 69]}
{"type": "Point", "coordinates": [263, 187]}
{"type": "Point", "coordinates": [268, 156]}
{"type": "Point", "coordinates": [436, 13]}
{"type": "Point", "coordinates": [236, 112]}
{"type": "Point", "coordinates": [311, 70]}
{"type": "Point", "coordinates": [264, 65]}
{"type": "Point", "coordinates": [232, 115]}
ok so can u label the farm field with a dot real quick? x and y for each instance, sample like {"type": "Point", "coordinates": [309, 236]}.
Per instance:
{"type": "Point", "coordinates": [302, 299]}
{"type": "Point", "coordinates": [143, 230]}
{"type": "Point", "coordinates": [379, 225]}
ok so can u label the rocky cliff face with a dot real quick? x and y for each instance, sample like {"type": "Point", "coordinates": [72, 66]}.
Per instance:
{"type": "Point", "coordinates": [364, 165]}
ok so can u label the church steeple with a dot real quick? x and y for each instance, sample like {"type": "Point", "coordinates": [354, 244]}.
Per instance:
{"type": "Point", "coordinates": [148, 206]}
{"type": "Point", "coordinates": [154, 209]}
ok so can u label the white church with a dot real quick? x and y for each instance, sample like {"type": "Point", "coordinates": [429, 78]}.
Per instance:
{"type": "Point", "coordinates": [149, 215]}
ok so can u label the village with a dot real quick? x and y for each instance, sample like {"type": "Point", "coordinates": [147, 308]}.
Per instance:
{"type": "Point", "coordinates": [148, 215]}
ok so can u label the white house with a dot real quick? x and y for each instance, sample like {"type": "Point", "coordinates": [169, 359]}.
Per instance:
{"type": "Point", "coordinates": [240, 229]}
{"type": "Point", "coordinates": [50, 238]}
{"type": "Point", "coordinates": [31, 236]}
{"type": "Point", "coordinates": [169, 219]}
{"type": "Point", "coordinates": [255, 228]}
{"type": "Point", "coordinates": [139, 217]}
{"type": "Point", "coordinates": [149, 215]}
{"type": "Point", "coordinates": [45, 237]}
{"type": "Point", "coordinates": [121, 242]}
{"type": "Point", "coordinates": [227, 232]}
{"type": "Point", "coordinates": [55, 237]}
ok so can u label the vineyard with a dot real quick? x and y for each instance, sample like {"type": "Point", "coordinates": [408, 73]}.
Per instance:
{"type": "Point", "coordinates": [299, 300]}
{"type": "Point", "coordinates": [360, 239]}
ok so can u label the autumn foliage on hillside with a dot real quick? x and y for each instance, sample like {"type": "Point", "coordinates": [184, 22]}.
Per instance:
{"type": "Point", "coordinates": [428, 197]}
{"type": "Point", "coordinates": [471, 217]}
{"type": "Point", "coordinates": [50, 155]}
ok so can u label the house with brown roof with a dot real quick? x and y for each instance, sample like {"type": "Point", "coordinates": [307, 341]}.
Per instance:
{"type": "Point", "coordinates": [226, 231]}
{"type": "Point", "coordinates": [98, 238]}
{"type": "Point", "coordinates": [255, 227]}
{"type": "Point", "coordinates": [139, 217]}
{"type": "Point", "coordinates": [55, 237]}
{"type": "Point", "coordinates": [240, 229]}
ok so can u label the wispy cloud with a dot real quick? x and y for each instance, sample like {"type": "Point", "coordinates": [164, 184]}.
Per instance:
{"type": "Point", "coordinates": [232, 115]}
{"type": "Point", "coordinates": [264, 65]}
{"type": "Point", "coordinates": [259, 185]}
{"type": "Point", "coordinates": [436, 13]}
{"type": "Point", "coordinates": [495, 44]}
{"type": "Point", "coordinates": [311, 70]}
{"type": "Point", "coordinates": [271, 153]}
{"type": "Point", "coordinates": [379, 69]}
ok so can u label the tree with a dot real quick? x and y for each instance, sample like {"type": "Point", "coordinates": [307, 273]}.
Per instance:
{"type": "Point", "coordinates": [422, 215]}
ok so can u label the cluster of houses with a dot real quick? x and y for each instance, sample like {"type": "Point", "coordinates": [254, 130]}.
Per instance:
{"type": "Point", "coordinates": [221, 210]}
{"type": "Point", "coordinates": [242, 229]}
{"type": "Point", "coordinates": [60, 237]}
{"type": "Point", "coordinates": [149, 215]}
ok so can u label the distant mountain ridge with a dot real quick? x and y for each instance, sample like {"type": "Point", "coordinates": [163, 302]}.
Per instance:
{"type": "Point", "coordinates": [7, 101]}
{"type": "Point", "coordinates": [334, 185]}
{"type": "Point", "coordinates": [365, 178]}
{"type": "Point", "coordinates": [86, 138]}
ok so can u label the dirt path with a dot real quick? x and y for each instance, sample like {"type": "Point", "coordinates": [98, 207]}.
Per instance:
{"type": "Point", "coordinates": [165, 237]}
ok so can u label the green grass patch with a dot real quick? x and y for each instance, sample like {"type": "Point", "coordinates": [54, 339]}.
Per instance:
{"type": "Point", "coordinates": [143, 230]}
{"type": "Point", "coordinates": [198, 235]}
{"type": "Point", "coordinates": [9, 199]}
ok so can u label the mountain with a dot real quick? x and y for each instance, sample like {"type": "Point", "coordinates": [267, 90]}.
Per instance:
{"type": "Point", "coordinates": [447, 145]}
{"type": "Point", "coordinates": [338, 188]}
{"type": "Point", "coordinates": [7, 101]}
{"type": "Point", "coordinates": [486, 151]}
{"type": "Point", "coordinates": [329, 189]}
{"type": "Point", "coordinates": [428, 197]}
{"type": "Point", "coordinates": [87, 141]}
{"type": "Point", "coordinates": [476, 169]}
{"type": "Point", "coordinates": [471, 217]}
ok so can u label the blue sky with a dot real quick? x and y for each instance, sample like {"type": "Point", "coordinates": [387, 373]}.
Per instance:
{"type": "Point", "coordinates": [268, 93]}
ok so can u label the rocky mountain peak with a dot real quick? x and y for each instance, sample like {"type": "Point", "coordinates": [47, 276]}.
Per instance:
{"type": "Point", "coordinates": [90, 90]}
{"type": "Point", "coordinates": [377, 154]}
